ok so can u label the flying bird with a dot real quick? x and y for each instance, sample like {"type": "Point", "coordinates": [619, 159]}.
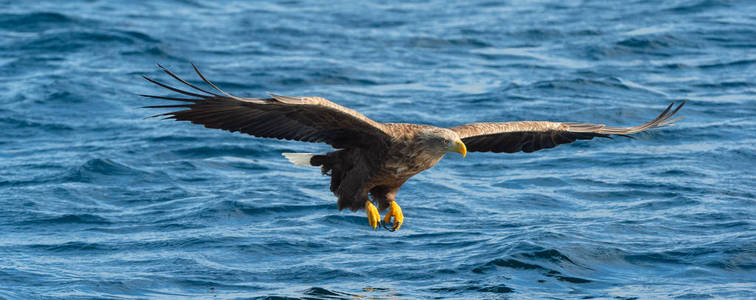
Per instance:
{"type": "Point", "coordinates": [371, 160]}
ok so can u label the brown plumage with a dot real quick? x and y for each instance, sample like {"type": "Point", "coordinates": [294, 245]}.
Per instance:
{"type": "Point", "coordinates": [371, 158]}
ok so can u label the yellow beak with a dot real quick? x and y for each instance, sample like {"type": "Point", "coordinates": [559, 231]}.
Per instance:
{"type": "Point", "coordinates": [460, 148]}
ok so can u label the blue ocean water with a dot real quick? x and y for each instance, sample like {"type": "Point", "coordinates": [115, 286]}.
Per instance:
{"type": "Point", "coordinates": [97, 202]}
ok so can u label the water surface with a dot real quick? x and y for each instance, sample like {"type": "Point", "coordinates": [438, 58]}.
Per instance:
{"type": "Point", "coordinates": [98, 202]}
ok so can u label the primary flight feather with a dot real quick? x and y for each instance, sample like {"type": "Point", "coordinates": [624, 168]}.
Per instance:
{"type": "Point", "coordinates": [372, 160]}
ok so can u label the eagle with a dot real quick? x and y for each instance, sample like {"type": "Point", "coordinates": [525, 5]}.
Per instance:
{"type": "Point", "coordinates": [371, 160]}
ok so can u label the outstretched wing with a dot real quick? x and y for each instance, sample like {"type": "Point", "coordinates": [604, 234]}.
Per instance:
{"type": "Point", "coordinates": [307, 119]}
{"type": "Point", "coordinates": [529, 136]}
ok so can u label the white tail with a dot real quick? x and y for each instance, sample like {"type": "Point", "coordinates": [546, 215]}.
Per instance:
{"type": "Point", "coordinates": [299, 159]}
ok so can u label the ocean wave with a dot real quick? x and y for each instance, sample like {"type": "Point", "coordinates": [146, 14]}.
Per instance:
{"type": "Point", "coordinates": [35, 21]}
{"type": "Point", "coordinates": [215, 151]}
{"type": "Point", "coordinates": [460, 289]}
{"type": "Point", "coordinates": [728, 64]}
{"type": "Point", "coordinates": [328, 294]}
{"type": "Point", "coordinates": [530, 262]}
{"type": "Point", "coordinates": [697, 6]}
{"type": "Point", "coordinates": [23, 124]}
{"type": "Point", "coordinates": [104, 166]}
{"type": "Point", "coordinates": [69, 219]}
{"type": "Point", "coordinates": [77, 246]}
{"type": "Point", "coordinates": [70, 41]}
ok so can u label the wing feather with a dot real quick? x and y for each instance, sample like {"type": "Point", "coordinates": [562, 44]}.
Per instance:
{"type": "Point", "coordinates": [308, 119]}
{"type": "Point", "coordinates": [529, 136]}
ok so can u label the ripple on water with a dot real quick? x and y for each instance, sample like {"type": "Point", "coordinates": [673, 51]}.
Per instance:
{"type": "Point", "coordinates": [35, 22]}
{"type": "Point", "coordinates": [103, 170]}
{"type": "Point", "coordinates": [88, 219]}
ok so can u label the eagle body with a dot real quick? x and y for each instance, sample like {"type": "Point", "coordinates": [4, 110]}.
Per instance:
{"type": "Point", "coordinates": [357, 173]}
{"type": "Point", "coordinates": [371, 160]}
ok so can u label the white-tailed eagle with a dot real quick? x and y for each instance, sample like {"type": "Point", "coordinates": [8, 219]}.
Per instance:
{"type": "Point", "coordinates": [372, 160]}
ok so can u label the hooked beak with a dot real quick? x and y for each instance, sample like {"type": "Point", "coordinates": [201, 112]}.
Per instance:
{"type": "Point", "coordinates": [459, 147]}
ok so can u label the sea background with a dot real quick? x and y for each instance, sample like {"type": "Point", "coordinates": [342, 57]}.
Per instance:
{"type": "Point", "coordinates": [98, 202]}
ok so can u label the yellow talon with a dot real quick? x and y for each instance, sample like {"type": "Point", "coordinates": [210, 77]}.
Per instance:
{"type": "Point", "coordinates": [396, 212]}
{"type": "Point", "coordinates": [372, 214]}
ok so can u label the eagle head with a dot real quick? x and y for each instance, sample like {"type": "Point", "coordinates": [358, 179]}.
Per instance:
{"type": "Point", "coordinates": [440, 141]}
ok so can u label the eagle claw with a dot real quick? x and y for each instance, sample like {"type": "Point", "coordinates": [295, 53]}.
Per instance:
{"type": "Point", "coordinates": [396, 212]}
{"type": "Point", "coordinates": [372, 214]}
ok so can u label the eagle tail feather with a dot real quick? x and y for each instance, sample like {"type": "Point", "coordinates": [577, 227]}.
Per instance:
{"type": "Point", "coordinates": [299, 159]}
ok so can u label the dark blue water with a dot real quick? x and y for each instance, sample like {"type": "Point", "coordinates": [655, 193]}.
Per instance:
{"type": "Point", "coordinates": [97, 202]}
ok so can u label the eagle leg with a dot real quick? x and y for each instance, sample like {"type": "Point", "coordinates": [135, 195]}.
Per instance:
{"type": "Point", "coordinates": [372, 214]}
{"type": "Point", "coordinates": [396, 212]}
